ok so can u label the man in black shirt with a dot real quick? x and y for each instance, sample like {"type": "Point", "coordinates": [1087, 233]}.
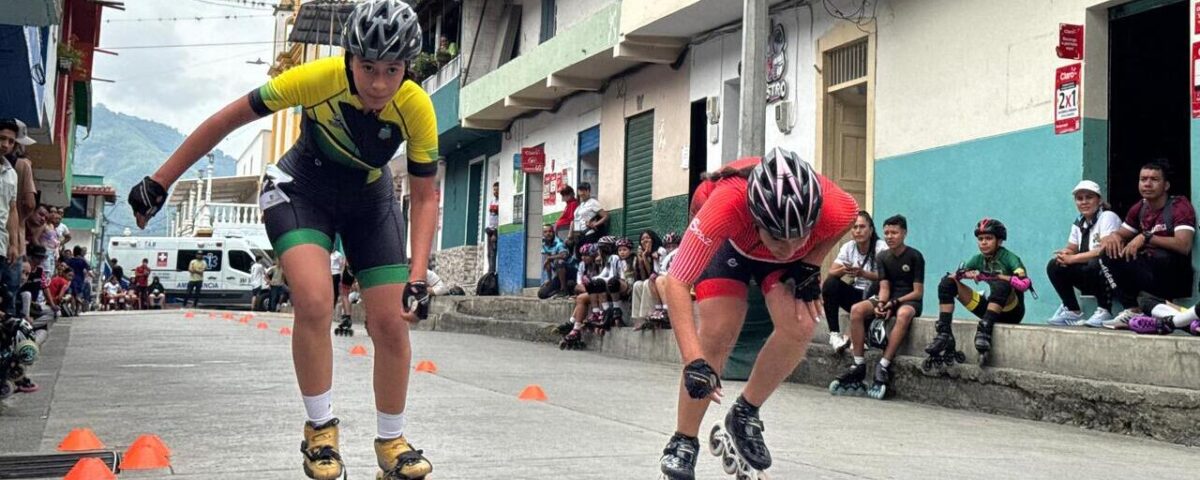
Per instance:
{"type": "Point", "coordinates": [901, 287]}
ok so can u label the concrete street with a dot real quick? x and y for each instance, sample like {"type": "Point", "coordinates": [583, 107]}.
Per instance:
{"type": "Point", "coordinates": [223, 397]}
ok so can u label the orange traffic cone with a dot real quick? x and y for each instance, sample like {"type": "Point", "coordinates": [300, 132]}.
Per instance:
{"type": "Point", "coordinates": [532, 393]}
{"type": "Point", "coordinates": [426, 366]}
{"type": "Point", "coordinates": [358, 351]}
{"type": "Point", "coordinates": [144, 457]}
{"type": "Point", "coordinates": [80, 439]}
{"type": "Point", "coordinates": [211, 315]}
{"type": "Point", "coordinates": [262, 326]}
{"type": "Point", "coordinates": [285, 331]}
{"type": "Point", "coordinates": [228, 316]}
{"type": "Point", "coordinates": [152, 441]}
{"type": "Point", "coordinates": [189, 315]}
{"type": "Point", "coordinates": [90, 468]}
{"type": "Point", "coordinates": [244, 321]}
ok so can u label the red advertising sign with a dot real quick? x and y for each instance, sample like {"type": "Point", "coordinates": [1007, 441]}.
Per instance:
{"type": "Point", "coordinates": [551, 184]}
{"type": "Point", "coordinates": [1196, 29]}
{"type": "Point", "coordinates": [1195, 80]}
{"type": "Point", "coordinates": [1067, 81]}
{"type": "Point", "coordinates": [1070, 41]}
{"type": "Point", "coordinates": [533, 159]}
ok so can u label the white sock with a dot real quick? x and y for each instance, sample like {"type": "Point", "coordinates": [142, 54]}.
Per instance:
{"type": "Point", "coordinates": [660, 306]}
{"type": "Point", "coordinates": [1185, 318]}
{"type": "Point", "coordinates": [860, 360]}
{"type": "Point", "coordinates": [885, 363]}
{"type": "Point", "coordinates": [607, 305]}
{"type": "Point", "coordinates": [319, 408]}
{"type": "Point", "coordinates": [597, 310]}
{"type": "Point", "coordinates": [389, 426]}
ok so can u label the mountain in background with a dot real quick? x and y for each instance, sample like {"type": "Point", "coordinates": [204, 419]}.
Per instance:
{"type": "Point", "coordinates": [124, 148]}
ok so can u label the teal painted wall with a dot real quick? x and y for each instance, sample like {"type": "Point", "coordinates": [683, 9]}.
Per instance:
{"type": "Point", "coordinates": [445, 105]}
{"type": "Point", "coordinates": [1023, 178]}
{"type": "Point", "coordinates": [454, 205]}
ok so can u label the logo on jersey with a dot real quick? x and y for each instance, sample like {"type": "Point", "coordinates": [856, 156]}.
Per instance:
{"type": "Point", "coordinates": [699, 234]}
{"type": "Point", "coordinates": [385, 132]}
{"type": "Point", "coordinates": [732, 262]}
{"type": "Point", "coordinates": [905, 268]}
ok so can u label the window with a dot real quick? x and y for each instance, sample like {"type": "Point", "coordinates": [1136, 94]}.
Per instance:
{"type": "Point", "coordinates": [549, 12]}
{"type": "Point", "coordinates": [211, 257]}
{"type": "Point", "coordinates": [240, 261]}
{"type": "Point", "coordinates": [78, 207]}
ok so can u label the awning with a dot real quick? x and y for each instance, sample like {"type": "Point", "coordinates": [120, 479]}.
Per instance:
{"type": "Point", "coordinates": [107, 191]}
{"type": "Point", "coordinates": [320, 22]}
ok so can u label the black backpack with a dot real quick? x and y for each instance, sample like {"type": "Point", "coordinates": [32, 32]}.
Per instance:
{"type": "Point", "coordinates": [488, 285]}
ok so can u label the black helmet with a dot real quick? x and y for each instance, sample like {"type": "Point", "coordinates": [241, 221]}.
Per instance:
{"type": "Point", "coordinates": [877, 335]}
{"type": "Point", "coordinates": [993, 227]}
{"type": "Point", "coordinates": [382, 30]}
{"type": "Point", "coordinates": [784, 194]}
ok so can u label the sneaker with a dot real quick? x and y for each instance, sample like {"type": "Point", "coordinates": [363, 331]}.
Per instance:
{"type": "Point", "coordinates": [25, 385]}
{"type": "Point", "coordinates": [1057, 313]}
{"type": "Point", "coordinates": [837, 341]}
{"type": "Point", "coordinates": [1122, 320]}
{"type": "Point", "coordinates": [1066, 317]}
{"type": "Point", "coordinates": [1098, 318]}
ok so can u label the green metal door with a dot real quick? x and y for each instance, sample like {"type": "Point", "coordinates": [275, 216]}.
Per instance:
{"type": "Point", "coordinates": [639, 173]}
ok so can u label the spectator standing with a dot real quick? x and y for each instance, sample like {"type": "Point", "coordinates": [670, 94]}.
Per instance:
{"type": "Point", "coordinates": [591, 220]}
{"type": "Point", "coordinates": [562, 227]}
{"type": "Point", "coordinates": [1152, 251]}
{"type": "Point", "coordinates": [258, 283]}
{"type": "Point", "coordinates": [196, 270]}
{"type": "Point", "coordinates": [337, 262]}
{"type": "Point", "coordinates": [141, 282]}
{"type": "Point", "coordinates": [12, 135]}
{"type": "Point", "coordinates": [493, 224]}
{"type": "Point", "coordinates": [64, 233]}
{"type": "Point", "coordinates": [278, 284]}
{"type": "Point", "coordinates": [81, 275]}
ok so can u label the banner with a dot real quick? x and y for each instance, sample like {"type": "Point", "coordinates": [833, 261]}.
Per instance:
{"type": "Point", "coordinates": [533, 159]}
{"type": "Point", "coordinates": [1066, 98]}
{"type": "Point", "coordinates": [1070, 41]}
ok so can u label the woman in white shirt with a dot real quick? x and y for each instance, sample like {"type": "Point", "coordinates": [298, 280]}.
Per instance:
{"type": "Point", "coordinates": [852, 276]}
{"type": "Point", "coordinates": [1078, 265]}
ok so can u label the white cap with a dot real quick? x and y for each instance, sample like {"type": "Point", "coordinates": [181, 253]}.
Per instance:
{"type": "Point", "coordinates": [1087, 185]}
{"type": "Point", "coordinates": [22, 131]}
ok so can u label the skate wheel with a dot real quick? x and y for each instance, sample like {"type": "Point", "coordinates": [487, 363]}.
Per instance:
{"type": "Point", "coordinates": [960, 357]}
{"type": "Point", "coordinates": [729, 464]}
{"type": "Point", "coordinates": [716, 442]}
{"type": "Point", "coordinates": [763, 476]}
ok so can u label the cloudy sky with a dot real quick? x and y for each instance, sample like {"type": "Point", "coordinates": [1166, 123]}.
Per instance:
{"type": "Point", "coordinates": [182, 86]}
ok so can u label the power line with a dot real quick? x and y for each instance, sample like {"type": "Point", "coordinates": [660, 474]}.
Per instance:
{"type": "Point", "coordinates": [185, 19]}
{"type": "Point", "coordinates": [242, 4]}
{"type": "Point", "coordinates": [189, 45]}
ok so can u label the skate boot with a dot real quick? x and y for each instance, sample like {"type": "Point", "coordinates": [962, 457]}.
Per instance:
{"type": "Point", "coordinates": [942, 350]}
{"type": "Point", "coordinates": [572, 341]}
{"type": "Point", "coordinates": [320, 448]}
{"type": "Point", "coordinates": [739, 443]}
{"type": "Point", "coordinates": [398, 460]}
{"type": "Point", "coordinates": [613, 317]}
{"type": "Point", "coordinates": [346, 328]}
{"type": "Point", "coordinates": [679, 458]}
{"type": "Point", "coordinates": [1148, 325]}
{"type": "Point", "coordinates": [879, 389]}
{"type": "Point", "coordinates": [850, 384]}
{"type": "Point", "coordinates": [983, 341]}
{"type": "Point", "coordinates": [595, 321]}
{"type": "Point", "coordinates": [7, 389]}
{"type": "Point", "coordinates": [1194, 328]}
{"type": "Point", "coordinates": [565, 327]}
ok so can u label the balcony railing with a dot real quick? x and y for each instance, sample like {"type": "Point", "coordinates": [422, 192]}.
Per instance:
{"type": "Point", "coordinates": [234, 213]}
{"type": "Point", "coordinates": [449, 72]}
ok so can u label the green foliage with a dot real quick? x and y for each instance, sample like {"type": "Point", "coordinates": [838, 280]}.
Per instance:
{"type": "Point", "coordinates": [123, 149]}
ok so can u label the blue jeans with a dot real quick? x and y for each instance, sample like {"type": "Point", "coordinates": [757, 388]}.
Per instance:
{"type": "Point", "coordinates": [10, 280]}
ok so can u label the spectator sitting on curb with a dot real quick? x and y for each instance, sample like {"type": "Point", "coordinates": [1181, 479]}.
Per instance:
{"type": "Point", "coordinates": [1078, 265]}
{"type": "Point", "coordinates": [852, 277]}
{"type": "Point", "coordinates": [1151, 252]}
{"type": "Point", "coordinates": [555, 265]}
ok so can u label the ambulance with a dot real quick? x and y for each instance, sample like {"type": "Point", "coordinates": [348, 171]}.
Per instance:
{"type": "Point", "coordinates": [227, 273]}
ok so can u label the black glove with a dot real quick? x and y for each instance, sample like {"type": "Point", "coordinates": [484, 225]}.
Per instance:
{"type": "Point", "coordinates": [700, 379]}
{"type": "Point", "coordinates": [147, 197]}
{"type": "Point", "coordinates": [416, 299]}
{"type": "Point", "coordinates": [807, 279]}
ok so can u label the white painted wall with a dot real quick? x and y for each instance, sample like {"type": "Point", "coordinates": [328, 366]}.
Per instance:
{"type": "Point", "coordinates": [715, 62]}
{"type": "Point", "coordinates": [978, 67]}
{"type": "Point", "coordinates": [568, 13]}
{"type": "Point", "coordinates": [253, 160]}
{"type": "Point", "coordinates": [559, 132]}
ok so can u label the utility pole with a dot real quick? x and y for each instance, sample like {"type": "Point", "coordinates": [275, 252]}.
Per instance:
{"type": "Point", "coordinates": [753, 105]}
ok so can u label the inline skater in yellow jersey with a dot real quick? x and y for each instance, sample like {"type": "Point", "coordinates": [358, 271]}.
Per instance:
{"type": "Point", "coordinates": [357, 110]}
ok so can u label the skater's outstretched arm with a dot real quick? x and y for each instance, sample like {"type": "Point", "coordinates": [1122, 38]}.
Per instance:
{"type": "Point", "coordinates": [678, 296]}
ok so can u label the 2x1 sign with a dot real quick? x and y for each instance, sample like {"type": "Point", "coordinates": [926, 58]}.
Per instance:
{"type": "Point", "coordinates": [1067, 80]}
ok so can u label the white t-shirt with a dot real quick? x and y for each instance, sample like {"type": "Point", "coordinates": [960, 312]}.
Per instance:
{"type": "Point", "coordinates": [112, 288]}
{"type": "Point", "coordinates": [1107, 223]}
{"type": "Point", "coordinates": [584, 213]}
{"type": "Point", "coordinates": [666, 262]}
{"type": "Point", "coordinates": [849, 256]}
{"type": "Point", "coordinates": [8, 195]}
{"type": "Point", "coordinates": [258, 276]}
{"type": "Point", "coordinates": [63, 231]}
{"type": "Point", "coordinates": [613, 268]}
{"type": "Point", "coordinates": [335, 262]}
{"type": "Point", "coordinates": [660, 264]}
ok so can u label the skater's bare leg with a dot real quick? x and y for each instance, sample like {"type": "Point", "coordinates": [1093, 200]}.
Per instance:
{"type": "Point", "coordinates": [785, 348]}
{"type": "Point", "coordinates": [719, 323]}
{"type": "Point", "coordinates": [581, 307]}
{"type": "Point", "coordinates": [312, 349]}
{"type": "Point", "coordinates": [393, 352]}
{"type": "Point", "coordinates": [859, 314]}
{"type": "Point", "coordinates": [903, 319]}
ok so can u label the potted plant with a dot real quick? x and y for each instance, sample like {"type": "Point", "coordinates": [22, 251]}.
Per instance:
{"type": "Point", "coordinates": [423, 66]}
{"type": "Point", "coordinates": [68, 58]}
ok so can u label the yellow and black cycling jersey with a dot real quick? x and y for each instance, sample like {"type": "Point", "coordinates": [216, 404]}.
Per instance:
{"type": "Point", "coordinates": [335, 127]}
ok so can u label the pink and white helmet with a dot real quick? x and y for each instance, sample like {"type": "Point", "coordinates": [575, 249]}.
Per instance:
{"type": "Point", "coordinates": [784, 195]}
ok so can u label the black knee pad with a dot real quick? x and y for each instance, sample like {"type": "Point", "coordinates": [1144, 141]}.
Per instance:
{"type": "Point", "coordinates": [614, 285]}
{"type": "Point", "coordinates": [1000, 291]}
{"type": "Point", "coordinates": [947, 290]}
{"type": "Point", "coordinates": [595, 286]}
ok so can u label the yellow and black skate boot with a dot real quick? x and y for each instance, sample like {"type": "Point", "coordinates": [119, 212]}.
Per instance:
{"type": "Point", "coordinates": [400, 461]}
{"type": "Point", "coordinates": [320, 448]}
